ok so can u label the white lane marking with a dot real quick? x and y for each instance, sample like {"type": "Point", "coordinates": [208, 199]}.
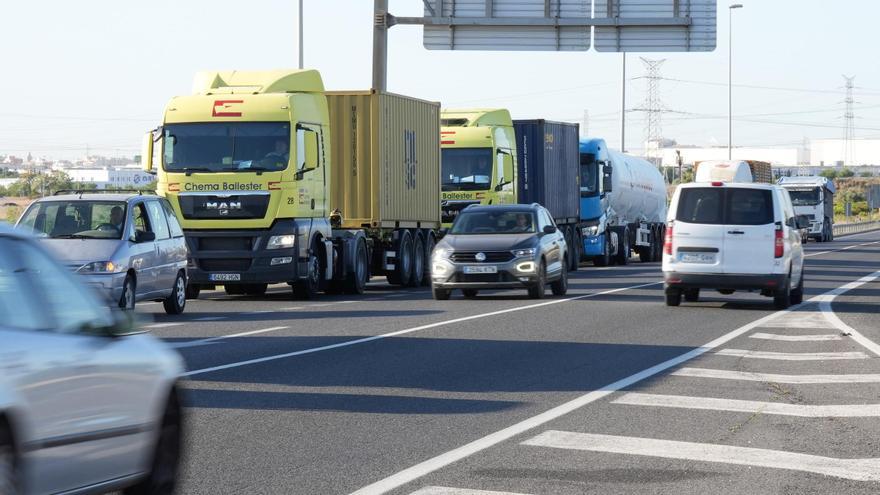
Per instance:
{"type": "Point", "coordinates": [802, 320]}
{"type": "Point", "coordinates": [409, 330]}
{"type": "Point", "coordinates": [792, 356]}
{"type": "Point", "coordinates": [750, 406]}
{"type": "Point", "coordinates": [324, 305]}
{"type": "Point", "coordinates": [445, 490]}
{"type": "Point", "coordinates": [852, 469]}
{"type": "Point", "coordinates": [794, 338]}
{"type": "Point", "coordinates": [775, 378]}
{"type": "Point", "coordinates": [211, 340]}
{"type": "Point", "coordinates": [433, 464]}
{"type": "Point", "coordinates": [211, 318]}
{"type": "Point", "coordinates": [828, 311]}
{"type": "Point", "coordinates": [842, 249]}
{"type": "Point", "coordinates": [163, 325]}
{"type": "Point", "coordinates": [292, 308]}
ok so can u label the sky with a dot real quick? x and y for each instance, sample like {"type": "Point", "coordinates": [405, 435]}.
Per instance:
{"type": "Point", "coordinates": [94, 75]}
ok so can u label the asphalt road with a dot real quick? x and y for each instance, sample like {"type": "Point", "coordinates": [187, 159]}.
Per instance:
{"type": "Point", "coordinates": [603, 391]}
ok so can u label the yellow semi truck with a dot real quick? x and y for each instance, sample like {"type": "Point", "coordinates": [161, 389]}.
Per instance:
{"type": "Point", "coordinates": [479, 160]}
{"type": "Point", "coordinates": [277, 180]}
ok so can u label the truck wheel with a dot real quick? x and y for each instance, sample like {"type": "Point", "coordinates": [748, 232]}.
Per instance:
{"type": "Point", "coordinates": [309, 287]}
{"type": "Point", "coordinates": [356, 282]}
{"type": "Point", "coordinates": [623, 246]}
{"type": "Point", "coordinates": [538, 290]}
{"type": "Point", "coordinates": [782, 296]}
{"type": "Point", "coordinates": [673, 297]}
{"type": "Point", "coordinates": [175, 303]}
{"type": "Point", "coordinates": [441, 294]}
{"type": "Point", "coordinates": [797, 295]}
{"type": "Point", "coordinates": [658, 244]}
{"type": "Point", "coordinates": [403, 267]}
{"type": "Point", "coordinates": [604, 259]}
{"type": "Point", "coordinates": [129, 289]}
{"type": "Point", "coordinates": [193, 290]}
{"type": "Point", "coordinates": [162, 477]}
{"type": "Point", "coordinates": [692, 295]}
{"type": "Point", "coordinates": [573, 254]}
{"type": "Point", "coordinates": [560, 286]}
{"type": "Point", "coordinates": [9, 480]}
{"type": "Point", "coordinates": [255, 289]}
{"type": "Point", "coordinates": [566, 234]}
{"type": "Point", "coordinates": [430, 242]}
{"type": "Point", "coordinates": [418, 262]}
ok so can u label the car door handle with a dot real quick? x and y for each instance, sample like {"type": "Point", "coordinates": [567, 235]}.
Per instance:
{"type": "Point", "coordinates": [737, 232]}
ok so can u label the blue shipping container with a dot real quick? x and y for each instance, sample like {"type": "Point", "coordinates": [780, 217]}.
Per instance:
{"type": "Point", "coordinates": [548, 158]}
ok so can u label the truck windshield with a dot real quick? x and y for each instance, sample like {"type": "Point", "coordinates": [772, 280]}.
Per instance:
{"type": "Point", "coordinates": [589, 175]}
{"type": "Point", "coordinates": [227, 147]}
{"type": "Point", "coordinates": [466, 169]}
{"type": "Point", "coordinates": [804, 197]}
{"type": "Point", "coordinates": [75, 219]}
{"type": "Point", "coordinates": [494, 222]}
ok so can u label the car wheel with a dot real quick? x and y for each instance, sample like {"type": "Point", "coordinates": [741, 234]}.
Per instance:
{"type": "Point", "coordinates": [418, 262]}
{"type": "Point", "coordinates": [162, 477]}
{"type": "Point", "coordinates": [356, 283]}
{"type": "Point", "coordinates": [192, 291]}
{"type": "Point", "coordinates": [692, 295]}
{"type": "Point", "coordinates": [441, 294]}
{"type": "Point", "coordinates": [538, 290]}
{"type": "Point", "coordinates": [797, 295]}
{"type": "Point", "coordinates": [129, 288]}
{"type": "Point", "coordinates": [604, 259]}
{"type": "Point", "coordinates": [9, 480]}
{"type": "Point", "coordinates": [309, 287]}
{"type": "Point", "coordinates": [470, 293]}
{"type": "Point", "coordinates": [673, 297]}
{"type": "Point", "coordinates": [175, 303]}
{"type": "Point", "coordinates": [782, 296]}
{"type": "Point", "coordinates": [560, 286]}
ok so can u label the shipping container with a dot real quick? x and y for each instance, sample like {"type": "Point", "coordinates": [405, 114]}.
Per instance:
{"type": "Point", "coordinates": [385, 167]}
{"type": "Point", "coordinates": [548, 161]}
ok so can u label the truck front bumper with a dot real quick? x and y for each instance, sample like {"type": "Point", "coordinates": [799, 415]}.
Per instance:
{"type": "Point", "coordinates": [594, 245]}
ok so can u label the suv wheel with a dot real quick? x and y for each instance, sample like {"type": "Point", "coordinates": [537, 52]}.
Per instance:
{"type": "Point", "coordinates": [129, 287]}
{"type": "Point", "coordinates": [782, 296]}
{"type": "Point", "coordinates": [8, 467]}
{"type": "Point", "coordinates": [175, 303]}
{"type": "Point", "coordinates": [673, 297]}
{"type": "Point", "coordinates": [797, 295]}
{"type": "Point", "coordinates": [166, 456]}
{"type": "Point", "coordinates": [540, 288]}
{"type": "Point", "coordinates": [560, 286]}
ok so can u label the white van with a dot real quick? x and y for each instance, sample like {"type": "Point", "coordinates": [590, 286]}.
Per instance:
{"type": "Point", "coordinates": [731, 237]}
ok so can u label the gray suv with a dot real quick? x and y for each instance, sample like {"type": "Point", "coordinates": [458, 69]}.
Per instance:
{"type": "Point", "coordinates": [128, 245]}
{"type": "Point", "coordinates": [500, 247]}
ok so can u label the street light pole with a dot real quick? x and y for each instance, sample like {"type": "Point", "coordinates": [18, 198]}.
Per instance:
{"type": "Point", "coordinates": [730, 80]}
{"type": "Point", "coordinates": [301, 34]}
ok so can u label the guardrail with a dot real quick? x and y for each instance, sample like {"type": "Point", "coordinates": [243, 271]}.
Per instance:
{"type": "Point", "coordinates": [855, 228]}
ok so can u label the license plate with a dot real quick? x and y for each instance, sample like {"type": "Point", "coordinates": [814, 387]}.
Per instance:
{"type": "Point", "coordinates": [707, 258]}
{"type": "Point", "coordinates": [481, 269]}
{"type": "Point", "coordinates": [224, 277]}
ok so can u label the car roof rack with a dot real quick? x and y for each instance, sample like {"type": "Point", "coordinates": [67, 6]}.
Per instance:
{"type": "Point", "coordinates": [102, 191]}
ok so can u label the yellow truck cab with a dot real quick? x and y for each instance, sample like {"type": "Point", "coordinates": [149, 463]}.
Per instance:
{"type": "Point", "coordinates": [247, 161]}
{"type": "Point", "coordinates": [478, 163]}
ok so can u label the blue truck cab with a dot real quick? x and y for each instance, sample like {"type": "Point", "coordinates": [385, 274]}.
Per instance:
{"type": "Point", "coordinates": [593, 155]}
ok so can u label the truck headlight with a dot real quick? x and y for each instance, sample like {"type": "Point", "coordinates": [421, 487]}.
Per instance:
{"type": "Point", "coordinates": [281, 241]}
{"type": "Point", "coordinates": [524, 253]}
{"type": "Point", "coordinates": [590, 230]}
{"type": "Point", "coordinates": [100, 267]}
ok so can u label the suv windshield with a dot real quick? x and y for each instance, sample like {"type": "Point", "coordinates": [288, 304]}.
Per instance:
{"type": "Point", "coordinates": [804, 197]}
{"type": "Point", "coordinates": [589, 175]}
{"type": "Point", "coordinates": [495, 222]}
{"type": "Point", "coordinates": [227, 147]}
{"type": "Point", "coordinates": [75, 219]}
{"type": "Point", "coordinates": [725, 206]}
{"type": "Point", "coordinates": [466, 169]}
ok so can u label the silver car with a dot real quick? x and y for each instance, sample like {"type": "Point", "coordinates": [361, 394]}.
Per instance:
{"type": "Point", "coordinates": [130, 246]}
{"type": "Point", "coordinates": [87, 404]}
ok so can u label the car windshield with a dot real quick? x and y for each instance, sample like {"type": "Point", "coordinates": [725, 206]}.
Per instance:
{"type": "Point", "coordinates": [494, 222]}
{"type": "Point", "coordinates": [804, 197]}
{"type": "Point", "coordinates": [466, 169]}
{"type": "Point", "coordinates": [589, 175]}
{"type": "Point", "coordinates": [227, 147]}
{"type": "Point", "coordinates": [79, 219]}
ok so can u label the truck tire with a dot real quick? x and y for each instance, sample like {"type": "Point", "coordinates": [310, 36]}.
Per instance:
{"type": "Point", "coordinates": [658, 245]}
{"type": "Point", "coordinates": [623, 246]}
{"type": "Point", "coordinates": [309, 287]}
{"type": "Point", "coordinates": [403, 266]}
{"type": "Point", "coordinates": [566, 234]}
{"type": "Point", "coordinates": [418, 261]}
{"type": "Point", "coordinates": [356, 281]}
{"type": "Point", "coordinates": [573, 255]}
{"type": "Point", "coordinates": [430, 242]}
{"type": "Point", "coordinates": [604, 259]}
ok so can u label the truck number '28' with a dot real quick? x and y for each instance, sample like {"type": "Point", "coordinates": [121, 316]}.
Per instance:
{"type": "Point", "coordinates": [409, 161]}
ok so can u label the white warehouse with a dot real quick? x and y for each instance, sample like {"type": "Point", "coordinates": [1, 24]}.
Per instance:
{"type": "Point", "coordinates": [831, 152]}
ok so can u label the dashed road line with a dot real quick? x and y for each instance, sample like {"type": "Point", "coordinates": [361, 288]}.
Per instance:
{"type": "Point", "coordinates": [210, 318]}
{"type": "Point", "coordinates": [852, 469]}
{"type": "Point", "coordinates": [775, 378]}
{"type": "Point", "coordinates": [750, 406]}
{"type": "Point", "coordinates": [795, 338]}
{"type": "Point", "coordinates": [792, 356]}
{"type": "Point", "coordinates": [164, 325]}
{"type": "Point", "coordinates": [212, 340]}
{"type": "Point", "coordinates": [445, 490]}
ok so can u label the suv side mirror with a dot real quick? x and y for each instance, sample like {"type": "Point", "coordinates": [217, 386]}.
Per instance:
{"type": "Point", "coordinates": [802, 221]}
{"type": "Point", "coordinates": [549, 229]}
{"type": "Point", "coordinates": [143, 236]}
{"type": "Point", "coordinates": [606, 177]}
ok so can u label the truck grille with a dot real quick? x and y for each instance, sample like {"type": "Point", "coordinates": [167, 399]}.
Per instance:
{"type": "Point", "coordinates": [491, 256]}
{"type": "Point", "coordinates": [225, 265]}
{"type": "Point", "coordinates": [225, 243]}
{"type": "Point", "coordinates": [210, 207]}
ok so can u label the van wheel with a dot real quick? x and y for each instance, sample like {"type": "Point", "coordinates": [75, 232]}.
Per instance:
{"type": "Point", "coordinates": [403, 267]}
{"type": "Point", "coordinates": [129, 289]}
{"type": "Point", "coordinates": [538, 290]}
{"type": "Point", "coordinates": [9, 480]}
{"type": "Point", "coordinates": [782, 296]}
{"type": "Point", "coordinates": [175, 303]}
{"type": "Point", "coordinates": [673, 297]}
{"type": "Point", "coordinates": [418, 262]}
{"type": "Point", "coordinates": [356, 282]}
{"type": "Point", "coordinates": [166, 457]}
{"type": "Point", "coordinates": [430, 242]}
{"type": "Point", "coordinates": [192, 291]}
{"type": "Point", "coordinates": [441, 294]}
{"type": "Point", "coordinates": [309, 287]}
{"type": "Point", "coordinates": [797, 295]}
{"type": "Point", "coordinates": [692, 295]}
{"type": "Point", "coordinates": [560, 286]}
{"type": "Point", "coordinates": [604, 259]}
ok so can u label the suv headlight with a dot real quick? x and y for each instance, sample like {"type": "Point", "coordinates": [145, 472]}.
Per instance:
{"type": "Point", "coordinates": [524, 253]}
{"type": "Point", "coordinates": [281, 241]}
{"type": "Point", "coordinates": [441, 253]}
{"type": "Point", "coordinates": [100, 267]}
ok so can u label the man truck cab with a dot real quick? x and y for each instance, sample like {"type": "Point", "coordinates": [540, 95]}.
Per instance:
{"type": "Point", "coordinates": [478, 160]}
{"type": "Point", "coordinates": [814, 197]}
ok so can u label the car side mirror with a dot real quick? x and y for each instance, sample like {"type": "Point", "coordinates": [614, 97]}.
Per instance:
{"type": "Point", "coordinates": [802, 221]}
{"type": "Point", "coordinates": [142, 236]}
{"type": "Point", "coordinates": [549, 229]}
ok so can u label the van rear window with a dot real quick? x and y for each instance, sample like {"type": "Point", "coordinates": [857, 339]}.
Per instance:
{"type": "Point", "coordinates": [725, 206]}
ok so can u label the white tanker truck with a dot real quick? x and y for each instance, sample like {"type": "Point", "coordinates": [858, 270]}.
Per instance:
{"type": "Point", "coordinates": [623, 205]}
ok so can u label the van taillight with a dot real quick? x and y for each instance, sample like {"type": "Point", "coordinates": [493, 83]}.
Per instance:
{"type": "Point", "coordinates": [667, 240]}
{"type": "Point", "coordinates": [779, 242]}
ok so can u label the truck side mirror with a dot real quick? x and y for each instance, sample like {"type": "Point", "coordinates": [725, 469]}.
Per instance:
{"type": "Point", "coordinates": [606, 177]}
{"type": "Point", "coordinates": [147, 153]}
{"type": "Point", "coordinates": [306, 149]}
{"type": "Point", "coordinates": [802, 221]}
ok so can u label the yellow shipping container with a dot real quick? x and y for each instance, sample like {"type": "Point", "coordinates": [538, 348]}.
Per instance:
{"type": "Point", "coordinates": [385, 167]}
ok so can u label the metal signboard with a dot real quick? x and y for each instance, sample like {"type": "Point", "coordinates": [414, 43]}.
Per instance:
{"type": "Point", "coordinates": [534, 25]}
{"type": "Point", "coordinates": [679, 25]}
